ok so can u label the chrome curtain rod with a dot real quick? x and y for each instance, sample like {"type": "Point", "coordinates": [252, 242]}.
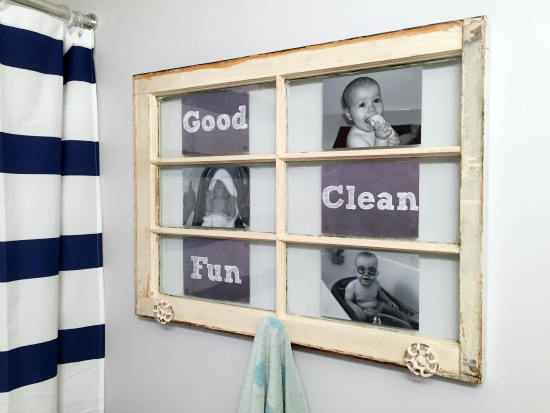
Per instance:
{"type": "Point", "coordinates": [89, 21]}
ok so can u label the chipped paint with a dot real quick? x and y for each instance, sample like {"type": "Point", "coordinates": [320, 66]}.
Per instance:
{"type": "Point", "coordinates": [440, 373]}
{"type": "Point", "coordinates": [471, 274]}
{"type": "Point", "coordinates": [475, 33]}
{"type": "Point", "coordinates": [441, 27]}
{"type": "Point", "coordinates": [472, 365]}
{"type": "Point", "coordinates": [463, 360]}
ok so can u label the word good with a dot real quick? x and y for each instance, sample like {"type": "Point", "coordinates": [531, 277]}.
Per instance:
{"type": "Point", "coordinates": [214, 271]}
{"type": "Point", "coordinates": [366, 200]}
{"type": "Point", "coordinates": [208, 123]}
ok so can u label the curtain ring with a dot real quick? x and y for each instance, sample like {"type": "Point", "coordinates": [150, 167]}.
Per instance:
{"type": "Point", "coordinates": [80, 24]}
{"type": "Point", "coordinates": [70, 22]}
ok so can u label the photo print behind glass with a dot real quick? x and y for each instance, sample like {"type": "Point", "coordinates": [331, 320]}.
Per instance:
{"type": "Point", "coordinates": [216, 269]}
{"type": "Point", "coordinates": [215, 123]}
{"type": "Point", "coordinates": [217, 197]}
{"type": "Point", "coordinates": [375, 287]}
{"type": "Point", "coordinates": [370, 199]}
{"type": "Point", "coordinates": [382, 108]}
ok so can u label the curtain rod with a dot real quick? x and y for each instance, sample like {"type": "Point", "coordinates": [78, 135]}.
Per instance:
{"type": "Point", "coordinates": [89, 21]}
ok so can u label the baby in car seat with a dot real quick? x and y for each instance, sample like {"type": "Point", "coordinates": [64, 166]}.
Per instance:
{"type": "Point", "coordinates": [221, 201]}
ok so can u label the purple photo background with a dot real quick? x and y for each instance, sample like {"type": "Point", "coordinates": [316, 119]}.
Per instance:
{"type": "Point", "coordinates": [218, 252]}
{"type": "Point", "coordinates": [375, 177]}
{"type": "Point", "coordinates": [216, 141]}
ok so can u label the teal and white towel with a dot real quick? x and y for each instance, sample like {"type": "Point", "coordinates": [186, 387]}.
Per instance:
{"type": "Point", "coordinates": [272, 383]}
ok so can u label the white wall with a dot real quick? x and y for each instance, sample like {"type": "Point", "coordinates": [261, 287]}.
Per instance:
{"type": "Point", "coordinates": [175, 368]}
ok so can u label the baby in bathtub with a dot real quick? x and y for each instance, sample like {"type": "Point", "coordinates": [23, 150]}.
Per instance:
{"type": "Point", "coordinates": [363, 106]}
{"type": "Point", "coordinates": [221, 201]}
{"type": "Point", "coordinates": [364, 295]}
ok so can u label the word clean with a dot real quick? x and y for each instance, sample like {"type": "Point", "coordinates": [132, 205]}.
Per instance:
{"type": "Point", "coordinates": [214, 271]}
{"type": "Point", "coordinates": [223, 122]}
{"type": "Point", "coordinates": [366, 200]}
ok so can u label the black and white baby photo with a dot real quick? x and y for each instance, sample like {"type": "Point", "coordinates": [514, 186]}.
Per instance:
{"type": "Point", "coordinates": [374, 287]}
{"type": "Point", "coordinates": [376, 109]}
{"type": "Point", "coordinates": [217, 196]}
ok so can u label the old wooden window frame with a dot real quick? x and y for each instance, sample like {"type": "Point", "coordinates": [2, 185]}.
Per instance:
{"type": "Point", "coordinates": [464, 38]}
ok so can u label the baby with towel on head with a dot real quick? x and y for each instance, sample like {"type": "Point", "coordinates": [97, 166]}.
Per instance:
{"type": "Point", "coordinates": [221, 201]}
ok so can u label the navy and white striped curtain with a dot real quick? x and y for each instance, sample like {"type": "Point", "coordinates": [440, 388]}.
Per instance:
{"type": "Point", "coordinates": [52, 320]}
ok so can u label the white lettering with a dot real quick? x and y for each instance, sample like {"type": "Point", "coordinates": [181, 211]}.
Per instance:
{"type": "Point", "coordinates": [385, 203]}
{"type": "Point", "coordinates": [196, 123]}
{"type": "Point", "coordinates": [223, 122]}
{"type": "Point", "coordinates": [197, 266]}
{"type": "Point", "coordinates": [239, 118]}
{"type": "Point", "coordinates": [217, 271]}
{"type": "Point", "coordinates": [363, 199]}
{"type": "Point", "coordinates": [403, 196]}
{"type": "Point", "coordinates": [214, 271]}
{"type": "Point", "coordinates": [326, 196]}
{"type": "Point", "coordinates": [366, 200]}
{"type": "Point", "coordinates": [208, 123]}
{"type": "Point", "coordinates": [351, 196]}
{"type": "Point", "coordinates": [231, 269]}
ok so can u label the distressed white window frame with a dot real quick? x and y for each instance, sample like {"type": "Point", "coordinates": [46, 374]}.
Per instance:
{"type": "Point", "coordinates": [461, 359]}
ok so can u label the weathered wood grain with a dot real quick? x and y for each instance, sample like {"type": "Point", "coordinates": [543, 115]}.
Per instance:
{"type": "Point", "coordinates": [460, 360]}
{"type": "Point", "coordinates": [471, 199]}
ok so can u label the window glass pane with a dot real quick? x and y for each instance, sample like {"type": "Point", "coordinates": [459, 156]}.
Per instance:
{"type": "Point", "coordinates": [438, 200]}
{"type": "Point", "coordinates": [255, 260]}
{"type": "Point", "coordinates": [217, 135]}
{"type": "Point", "coordinates": [427, 94]}
{"type": "Point", "coordinates": [425, 288]}
{"type": "Point", "coordinates": [218, 196]}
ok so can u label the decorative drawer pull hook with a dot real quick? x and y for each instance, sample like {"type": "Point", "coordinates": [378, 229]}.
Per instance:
{"type": "Point", "coordinates": [163, 312]}
{"type": "Point", "coordinates": [421, 359]}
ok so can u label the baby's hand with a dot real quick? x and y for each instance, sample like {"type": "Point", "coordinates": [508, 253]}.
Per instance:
{"type": "Point", "coordinates": [394, 140]}
{"type": "Point", "coordinates": [384, 131]}
{"type": "Point", "coordinates": [360, 314]}
{"type": "Point", "coordinates": [370, 312]}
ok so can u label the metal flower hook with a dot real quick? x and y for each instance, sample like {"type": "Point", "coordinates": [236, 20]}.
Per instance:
{"type": "Point", "coordinates": [421, 360]}
{"type": "Point", "coordinates": [163, 312]}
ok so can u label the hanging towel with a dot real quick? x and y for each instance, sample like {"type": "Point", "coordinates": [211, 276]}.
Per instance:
{"type": "Point", "coordinates": [272, 383]}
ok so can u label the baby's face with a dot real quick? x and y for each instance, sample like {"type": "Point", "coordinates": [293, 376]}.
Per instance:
{"type": "Point", "coordinates": [220, 191]}
{"type": "Point", "coordinates": [367, 269]}
{"type": "Point", "coordinates": [364, 101]}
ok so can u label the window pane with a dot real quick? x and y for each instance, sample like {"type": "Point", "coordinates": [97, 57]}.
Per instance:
{"type": "Point", "coordinates": [225, 112]}
{"type": "Point", "coordinates": [438, 200]}
{"type": "Point", "coordinates": [218, 196]}
{"type": "Point", "coordinates": [256, 263]}
{"type": "Point", "coordinates": [426, 94]}
{"type": "Point", "coordinates": [425, 287]}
